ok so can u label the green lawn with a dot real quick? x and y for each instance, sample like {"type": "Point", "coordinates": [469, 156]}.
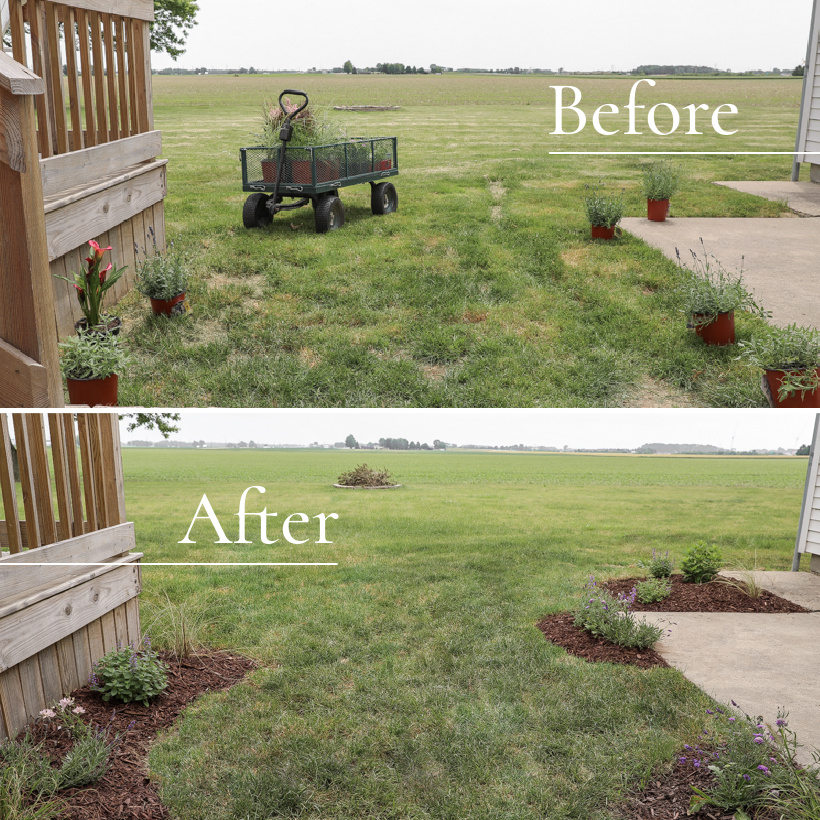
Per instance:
{"type": "Point", "coordinates": [410, 680]}
{"type": "Point", "coordinates": [483, 290]}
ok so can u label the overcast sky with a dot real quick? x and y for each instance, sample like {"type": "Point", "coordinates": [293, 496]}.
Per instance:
{"type": "Point", "coordinates": [738, 429]}
{"type": "Point", "coordinates": [582, 35]}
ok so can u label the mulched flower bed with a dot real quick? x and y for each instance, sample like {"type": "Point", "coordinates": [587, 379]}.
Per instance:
{"type": "Point", "coordinates": [125, 791]}
{"type": "Point", "coordinates": [712, 597]}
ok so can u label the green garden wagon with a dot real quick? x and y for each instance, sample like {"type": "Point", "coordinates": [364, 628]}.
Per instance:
{"type": "Point", "coordinates": [315, 174]}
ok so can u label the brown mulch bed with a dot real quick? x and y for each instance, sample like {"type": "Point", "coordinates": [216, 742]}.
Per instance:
{"type": "Point", "coordinates": [560, 630]}
{"type": "Point", "coordinates": [712, 597]}
{"type": "Point", "coordinates": [125, 791]}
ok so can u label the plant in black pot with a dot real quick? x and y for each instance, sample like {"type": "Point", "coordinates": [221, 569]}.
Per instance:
{"type": "Point", "coordinates": [660, 182]}
{"type": "Point", "coordinates": [790, 357]}
{"type": "Point", "coordinates": [710, 295]}
{"type": "Point", "coordinates": [91, 363]}
{"type": "Point", "coordinates": [163, 278]}
{"type": "Point", "coordinates": [604, 212]}
{"type": "Point", "coordinates": [91, 286]}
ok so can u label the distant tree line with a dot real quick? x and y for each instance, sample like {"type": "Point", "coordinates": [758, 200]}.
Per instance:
{"type": "Point", "coordinates": [676, 69]}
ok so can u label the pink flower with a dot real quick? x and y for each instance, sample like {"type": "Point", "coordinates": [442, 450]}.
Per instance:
{"type": "Point", "coordinates": [78, 710]}
{"type": "Point", "coordinates": [65, 702]}
{"type": "Point", "coordinates": [98, 251]}
{"type": "Point", "coordinates": [48, 713]}
{"type": "Point", "coordinates": [104, 272]}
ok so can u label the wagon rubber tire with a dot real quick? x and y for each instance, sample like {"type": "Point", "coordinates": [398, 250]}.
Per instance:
{"type": "Point", "coordinates": [255, 213]}
{"type": "Point", "coordinates": [329, 214]}
{"type": "Point", "coordinates": [383, 198]}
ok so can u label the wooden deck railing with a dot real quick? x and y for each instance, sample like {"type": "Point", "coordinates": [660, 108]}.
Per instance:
{"type": "Point", "coordinates": [56, 618]}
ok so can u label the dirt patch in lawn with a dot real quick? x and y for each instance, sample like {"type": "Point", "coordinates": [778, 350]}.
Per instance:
{"type": "Point", "coordinates": [125, 791]}
{"type": "Point", "coordinates": [715, 596]}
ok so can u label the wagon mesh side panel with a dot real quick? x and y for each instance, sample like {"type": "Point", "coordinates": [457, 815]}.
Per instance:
{"type": "Point", "coordinates": [330, 163]}
{"type": "Point", "coordinates": [253, 165]}
{"type": "Point", "coordinates": [383, 154]}
{"type": "Point", "coordinates": [298, 167]}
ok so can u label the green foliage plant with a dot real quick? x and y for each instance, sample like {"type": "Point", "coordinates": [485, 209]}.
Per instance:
{"type": "Point", "coordinates": [173, 21]}
{"type": "Point", "coordinates": [660, 180]}
{"type": "Point", "coordinates": [610, 617]}
{"type": "Point", "coordinates": [314, 125]}
{"type": "Point", "coordinates": [15, 803]}
{"type": "Point", "coordinates": [163, 275]}
{"type": "Point", "coordinates": [90, 355]}
{"type": "Point", "coordinates": [707, 289]}
{"type": "Point", "coordinates": [793, 349]}
{"type": "Point", "coordinates": [93, 283]}
{"type": "Point", "coordinates": [701, 563]}
{"type": "Point", "coordinates": [653, 589]}
{"type": "Point", "coordinates": [603, 210]}
{"type": "Point", "coordinates": [84, 764]}
{"type": "Point", "coordinates": [364, 476]}
{"type": "Point", "coordinates": [129, 674]}
{"type": "Point", "coordinates": [660, 565]}
{"type": "Point", "coordinates": [756, 769]}
{"type": "Point", "coordinates": [180, 627]}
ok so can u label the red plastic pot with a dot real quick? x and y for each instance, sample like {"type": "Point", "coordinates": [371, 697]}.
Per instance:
{"type": "Point", "coordinates": [169, 307]}
{"type": "Point", "coordinates": [383, 165]}
{"type": "Point", "coordinates": [301, 171]}
{"type": "Point", "coordinates": [657, 209]}
{"type": "Point", "coordinates": [93, 392]}
{"type": "Point", "coordinates": [327, 170]}
{"type": "Point", "coordinates": [600, 232]}
{"type": "Point", "coordinates": [268, 171]}
{"type": "Point", "coordinates": [810, 398]}
{"type": "Point", "coordinates": [719, 331]}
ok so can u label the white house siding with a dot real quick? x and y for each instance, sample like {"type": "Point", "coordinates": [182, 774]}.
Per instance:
{"type": "Point", "coordinates": [809, 133]}
{"type": "Point", "coordinates": [808, 538]}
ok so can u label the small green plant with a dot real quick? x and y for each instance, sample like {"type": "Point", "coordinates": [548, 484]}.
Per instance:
{"type": "Point", "coordinates": [364, 476]}
{"type": "Point", "coordinates": [659, 565]}
{"type": "Point", "coordinates": [701, 563]}
{"type": "Point", "coordinates": [653, 589]}
{"type": "Point", "coordinates": [756, 768]}
{"type": "Point", "coordinates": [93, 283]}
{"type": "Point", "coordinates": [610, 617]}
{"type": "Point", "coordinates": [660, 180]}
{"type": "Point", "coordinates": [603, 211]}
{"type": "Point", "coordinates": [707, 289]}
{"type": "Point", "coordinates": [15, 804]}
{"type": "Point", "coordinates": [90, 355]}
{"type": "Point", "coordinates": [129, 674]}
{"type": "Point", "coordinates": [163, 275]}
{"type": "Point", "coordinates": [794, 350]}
{"type": "Point", "coordinates": [85, 763]}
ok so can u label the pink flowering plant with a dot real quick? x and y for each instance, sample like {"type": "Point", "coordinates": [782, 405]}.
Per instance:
{"type": "Point", "coordinates": [92, 283]}
{"type": "Point", "coordinates": [84, 764]}
{"type": "Point", "coordinates": [611, 617]}
{"type": "Point", "coordinates": [129, 674]}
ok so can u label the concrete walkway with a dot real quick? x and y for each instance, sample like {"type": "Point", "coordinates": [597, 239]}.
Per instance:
{"type": "Point", "coordinates": [802, 197]}
{"type": "Point", "coordinates": [762, 662]}
{"type": "Point", "coordinates": [781, 257]}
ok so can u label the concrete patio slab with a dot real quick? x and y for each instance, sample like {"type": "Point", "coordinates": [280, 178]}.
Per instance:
{"type": "Point", "coordinates": [801, 588]}
{"type": "Point", "coordinates": [780, 265]}
{"type": "Point", "coordinates": [801, 197]}
{"type": "Point", "coordinates": [762, 662]}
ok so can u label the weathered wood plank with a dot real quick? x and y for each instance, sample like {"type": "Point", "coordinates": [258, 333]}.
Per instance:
{"type": "Point", "coordinates": [121, 624]}
{"type": "Point", "coordinates": [140, 59]}
{"type": "Point", "coordinates": [92, 522]}
{"type": "Point", "coordinates": [18, 577]}
{"type": "Point", "coordinates": [31, 630]}
{"type": "Point", "coordinates": [69, 678]}
{"type": "Point", "coordinates": [33, 11]}
{"type": "Point", "coordinates": [112, 476]}
{"type": "Point", "coordinates": [132, 617]}
{"type": "Point", "coordinates": [8, 490]}
{"type": "Point", "coordinates": [111, 77]}
{"type": "Point", "coordinates": [67, 228]}
{"type": "Point", "coordinates": [132, 77]}
{"type": "Point", "coordinates": [85, 68]}
{"type": "Point", "coordinates": [61, 485]}
{"type": "Point", "coordinates": [122, 76]}
{"type": "Point", "coordinates": [99, 76]}
{"type": "Point", "coordinates": [95, 467]}
{"type": "Point", "coordinates": [139, 9]}
{"type": "Point", "coordinates": [82, 654]}
{"type": "Point", "coordinates": [73, 78]}
{"type": "Point", "coordinates": [50, 675]}
{"type": "Point", "coordinates": [109, 631]}
{"type": "Point", "coordinates": [27, 481]}
{"type": "Point", "coordinates": [38, 454]}
{"type": "Point", "coordinates": [148, 87]}
{"type": "Point", "coordinates": [11, 132]}
{"type": "Point", "coordinates": [11, 701]}
{"type": "Point", "coordinates": [18, 37]}
{"type": "Point", "coordinates": [77, 516]}
{"type": "Point", "coordinates": [33, 695]}
{"type": "Point", "coordinates": [95, 640]}
{"type": "Point", "coordinates": [55, 70]}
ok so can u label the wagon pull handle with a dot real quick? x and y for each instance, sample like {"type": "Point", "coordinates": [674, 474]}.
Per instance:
{"type": "Point", "coordinates": [296, 93]}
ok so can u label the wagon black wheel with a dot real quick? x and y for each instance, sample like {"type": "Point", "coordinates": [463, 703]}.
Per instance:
{"type": "Point", "coordinates": [383, 198]}
{"type": "Point", "coordinates": [255, 213]}
{"type": "Point", "coordinates": [329, 214]}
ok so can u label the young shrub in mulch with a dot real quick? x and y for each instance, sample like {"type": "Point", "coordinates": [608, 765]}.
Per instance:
{"type": "Point", "coordinates": [364, 476]}
{"type": "Point", "coordinates": [701, 564]}
{"type": "Point", "coordinates": [130, 675]}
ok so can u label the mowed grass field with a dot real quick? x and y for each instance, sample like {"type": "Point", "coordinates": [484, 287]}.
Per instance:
{"type": "Point", "coordinates": [484, 289]}
{"type": "Point", "coordinates": [410, 681]}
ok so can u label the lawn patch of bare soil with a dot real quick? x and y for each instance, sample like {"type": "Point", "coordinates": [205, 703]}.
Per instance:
{"type": "Point", "coordinates": [125, 791]}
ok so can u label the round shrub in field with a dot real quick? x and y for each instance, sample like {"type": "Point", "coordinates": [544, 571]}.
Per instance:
{"type": "Point", "coordinates": [364, 476]}
{"type": "Point", "coordinates": [129, 674]}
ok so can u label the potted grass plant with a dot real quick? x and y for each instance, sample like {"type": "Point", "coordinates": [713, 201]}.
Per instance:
{"type": "Point", "coordinates": [660, 182]}
{"type": "Point", "coordinates": [163, 278]}
{"type": "Point", "coordinates": [91, 285]}
{"type": "Point", "coordinates": [710, 295]}
{"type": "Point", "coordinates": [790, 357]}
{"type": "Point", "coordinates": [604, 212]}
{"type": "Point", "coordinates": [91, 363]}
